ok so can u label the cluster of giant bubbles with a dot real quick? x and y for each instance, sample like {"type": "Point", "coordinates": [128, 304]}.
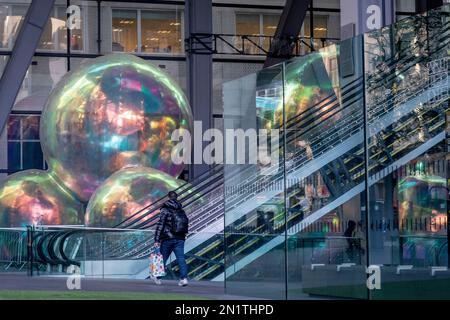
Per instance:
{"type": "Point", "coordinates": [106, 137]}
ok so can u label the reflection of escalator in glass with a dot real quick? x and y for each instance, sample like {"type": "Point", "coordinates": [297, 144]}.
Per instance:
{"type": "Point", "coordinates": [392, 154]}
{"type": "Point", "coordinates": [379, 168]}
{"type": "Point", "coordinates": [349, 140]}
{"type": "Point", "coordinates": [248, 243]}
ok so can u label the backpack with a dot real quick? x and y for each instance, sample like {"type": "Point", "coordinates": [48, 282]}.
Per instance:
{"type": "Point", "coordinates": [180, 222]}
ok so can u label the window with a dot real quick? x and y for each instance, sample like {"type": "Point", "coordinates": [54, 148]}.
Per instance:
{"type": "Point", "coordinates": [248, 24]}
{"type": "Point", "coordinates": [259, 28]}
{"type": "Point", "coordinates": [161, 31]}
{"type": "Point", "coordinates": [270, 24]}
{"type": "Point", "coordinates": [320, 30]}
{"type": "Point", "coordinates": [147, 31]}
{"type": "Point", "coordinates": [54, 36]}
{"type": "Point", "coordinates": [11, 17]}
{"type": "Point", "coordinates": [124, 29]}
{"type": "Point", "coordinates": [24, 147]}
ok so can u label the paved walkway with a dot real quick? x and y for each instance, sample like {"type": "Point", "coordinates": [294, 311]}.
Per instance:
{"type": "Point", "coordinates": [207, 289]}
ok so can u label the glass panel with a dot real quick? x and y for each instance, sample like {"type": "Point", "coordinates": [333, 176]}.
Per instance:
{"type": "Point", "coordinates": [114, 254]}
{"type": "Point", "coordinates": [11, 16]}
{"type": "Point", "coordinates": [14, 128]}
{"type": "Point", "coordinates": [270, 23]}
{"type": "Point", "coordinates": [407, 84]}
{"type": "Point", "coordinates": [161, 32]}
{"type": "Point", "coordinates": [227, 71]}
{"type": "Point", "coordinates": [30, 125]}
{"type": "Point", "coordinates": [77, 34]}
{"type": "Point", "coordinates": [324, 114]}
{"type": "Point", "coordinates": [124, 30]}
{"type": "Point", "coordinates": [54, 36]}
{"type": "Point", "coordinates": [4, 16]}
{"type": "Point", "coordinates": [320, 30]}
{"type": "Point", "coordinates": [248, 25]}
{"type": "Point", "coordinates": [254, 193]}
{"type": "Point", "coordinates": [43, 74]}
{"type": "Point", "coordinates": [14, 156]}
{"type": "Point", "coordinates": [32, 156]}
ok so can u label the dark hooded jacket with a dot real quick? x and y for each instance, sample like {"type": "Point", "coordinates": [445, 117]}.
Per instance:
{"type": "Point", "coordinates": [164, 225]}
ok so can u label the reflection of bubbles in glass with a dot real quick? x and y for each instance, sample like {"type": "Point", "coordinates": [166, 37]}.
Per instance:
{"type": "Point", "coordinates": [422, 202]}
{"type": "Point", "coordinates": [35, 197]}
{"type": "Point", "coordinates": [125, 193]}
{"type": "Point", "coordinates": [112, 112]}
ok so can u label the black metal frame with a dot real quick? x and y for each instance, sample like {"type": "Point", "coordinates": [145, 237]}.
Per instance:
{"type": "Point", "coordinates": [203, 43]}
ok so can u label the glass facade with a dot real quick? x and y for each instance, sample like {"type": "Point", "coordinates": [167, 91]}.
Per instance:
{"type": "Point", "coordinates": [290, 227]}
{"type": "Point", "coordinates": [361, 179]}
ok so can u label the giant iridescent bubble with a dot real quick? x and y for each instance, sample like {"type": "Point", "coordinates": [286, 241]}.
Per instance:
{"type": "Point", "coordinates": [35, 197]}
{"type": "Point", "coordinates": [125, 193]}
{"type": "Point", "coordinates": [112, 112]}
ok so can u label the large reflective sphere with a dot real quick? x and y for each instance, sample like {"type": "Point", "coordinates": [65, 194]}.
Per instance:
{"type": "Point", "coordinates": [112, 112]}
{"type": "Point", "coordinates": [34, 197]}
{"type": "Point", "coordinates": [125, 193]}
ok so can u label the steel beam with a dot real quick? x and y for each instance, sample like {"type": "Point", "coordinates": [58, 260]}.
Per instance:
{"type": "Point", "coordinates": [22, 54]}
{"type": "Point", "coordinates": [198, 20]}
{"type": "Point", "coordinates": [288, 28]}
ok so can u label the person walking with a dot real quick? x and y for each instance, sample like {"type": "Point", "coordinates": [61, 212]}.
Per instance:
{"type": "Point", "coordinates": [170, 234]}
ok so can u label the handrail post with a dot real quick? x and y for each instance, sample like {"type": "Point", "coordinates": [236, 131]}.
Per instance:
{"type": "Point", "coordinates": [30, 258]}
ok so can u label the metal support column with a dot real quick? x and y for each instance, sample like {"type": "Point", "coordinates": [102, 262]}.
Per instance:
{"type": "Point", "coordinates": [22, 54]}
{"type": "Point", "coordinates": [198, 20]}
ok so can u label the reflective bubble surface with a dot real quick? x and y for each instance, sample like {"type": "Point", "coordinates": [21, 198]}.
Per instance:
{"type": "Point", "coordinates": [112, 112]}
{"type": "Point", "coordinates": [35, 197]}
{"type": "Point", "coordinates": [125, 193]}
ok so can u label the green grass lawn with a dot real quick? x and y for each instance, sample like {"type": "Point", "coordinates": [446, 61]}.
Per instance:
{"type": "Point", "coordinates": [91, 295]}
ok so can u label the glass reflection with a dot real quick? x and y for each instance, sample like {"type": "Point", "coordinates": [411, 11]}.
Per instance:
{"type": "Point", "coordinates": [36, 197]}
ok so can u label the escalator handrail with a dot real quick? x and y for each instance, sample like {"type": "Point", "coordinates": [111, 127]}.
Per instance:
{"type": "Point", "coordinates": [197, 189]}
{"type": "Point", "coordinates": [218, 179]}
{"type": "Point", "coordinates": [162, 199]}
